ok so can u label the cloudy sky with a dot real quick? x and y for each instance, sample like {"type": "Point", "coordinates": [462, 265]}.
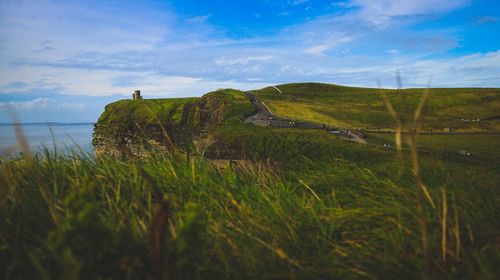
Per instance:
{"type": "Point", "coordinates": [63, 60]}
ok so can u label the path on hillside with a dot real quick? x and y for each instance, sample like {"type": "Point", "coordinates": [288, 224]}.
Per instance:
{"type": "Point", "coordinates": [264, 117]}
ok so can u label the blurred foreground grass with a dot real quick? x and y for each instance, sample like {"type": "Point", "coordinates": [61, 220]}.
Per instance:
{"type": "Point", "coordinates": [170, 216]}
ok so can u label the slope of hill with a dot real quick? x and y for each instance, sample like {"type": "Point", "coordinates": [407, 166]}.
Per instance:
{"type": "Point", "coordinates": [350, 107]}
{"type": "Point", "coordinates": [212, 123]}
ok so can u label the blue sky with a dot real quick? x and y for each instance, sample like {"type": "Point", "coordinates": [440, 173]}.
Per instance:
{"type": "Point", "coordinates": [64, 60]}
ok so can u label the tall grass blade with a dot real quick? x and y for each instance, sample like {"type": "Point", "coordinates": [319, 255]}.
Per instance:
{"type": "Point", "coordinates": [444, 215]}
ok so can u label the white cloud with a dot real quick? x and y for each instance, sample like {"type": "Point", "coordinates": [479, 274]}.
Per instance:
{"type": "Point", "coordinates": [229, 61]}
{"type": "Point", "coordinates": [476, 70]}
{"type": "Point", "coordinates": [99, 82]}
{"type": "Point", "coordinates": [41, 104]}
{"type": "Point", "coordinates": [198, 19]}
{"type": "Point", "coordinates": [406, 7]}
{"type": "Point", "coordinates": [380, 11]}
{"type": "Point", "coordinates": [321, 48]}
{"type": "Point", "coordinates": [70, 106]}
{"type": "Point", "coordinates": [318, 49]}
{"type": "Point", "coordinates": [29, 29]}
{"type": "Point", "coordinates": [298, 2]}
{"type": "Point", "coordinates": [38, 103]}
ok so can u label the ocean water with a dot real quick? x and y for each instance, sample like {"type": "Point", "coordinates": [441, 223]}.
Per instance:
{"type": "Point", "coordinates": [66, 137]}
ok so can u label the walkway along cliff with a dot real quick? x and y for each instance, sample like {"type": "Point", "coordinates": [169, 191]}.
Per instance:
{"type": "Point", "coordinates": [264, 117]}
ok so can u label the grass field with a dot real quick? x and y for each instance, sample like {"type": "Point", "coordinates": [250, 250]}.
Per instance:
{"type": "Point", "coordinates": [479, 146]}
{"type": "Point", "coordinates": [80, 217]}
{"type": "Point", "coordinates": [364, 107]}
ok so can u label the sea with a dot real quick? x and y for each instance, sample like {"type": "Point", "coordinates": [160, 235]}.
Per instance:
{"type": "Point", "coordinates": [64, 137]}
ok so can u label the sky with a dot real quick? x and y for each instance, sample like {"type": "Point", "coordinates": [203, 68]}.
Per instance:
{"type": "Point", "coordinates": [64, 60]}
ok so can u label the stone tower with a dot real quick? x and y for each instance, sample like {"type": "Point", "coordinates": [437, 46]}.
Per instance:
{"type": "Point", "coordinates": [136, 95]}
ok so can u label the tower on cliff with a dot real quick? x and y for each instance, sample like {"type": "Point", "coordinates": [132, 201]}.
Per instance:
{"type": "Point", "coordinates": [136, 95]}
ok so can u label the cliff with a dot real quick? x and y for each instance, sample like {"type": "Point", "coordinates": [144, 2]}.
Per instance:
{"type": "Point", "coordinates": [131, 126]}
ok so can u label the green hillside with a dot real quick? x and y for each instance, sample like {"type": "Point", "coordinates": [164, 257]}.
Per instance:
{"type": "Point", "coordinates": [144, 112]}
{"type": "Point", "coordinates": [478, 146]}
{"type": "Point", "coordinates": [353, 107]}
{"type": "Point", "coordinates": [213, 120]}
{"type": "Point", "coordinates": [224, 105]}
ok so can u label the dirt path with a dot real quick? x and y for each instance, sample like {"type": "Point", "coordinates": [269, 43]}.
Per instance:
{"type": "Point", "coordinates": [276, 88]}
{"type": "Point", "coordinates": [264, 117]}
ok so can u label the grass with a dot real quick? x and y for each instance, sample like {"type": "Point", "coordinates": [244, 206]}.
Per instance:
{"type": "Point", "coordinates": [364, 107]}
{"type": "Point", "coordinates": [163, 122]}
{"type": "Point", "coordinates": [146, 111]}
{"type": "Point", "coordinates": [211, 109]}
{"type": "Point", "coordinates": [485, 147]}
{"type": "Point", "coordinates": [297, 204]}
{"type": "Point", "coordinates": [238, 102]}
{"type": "Point", "coordinates": [217, 115]}
{"type": "Point", "coordinates": [82, 217]}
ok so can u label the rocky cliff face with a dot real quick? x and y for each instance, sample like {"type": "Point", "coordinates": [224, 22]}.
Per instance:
{"type": "Point", "coordinates": [132, 127]}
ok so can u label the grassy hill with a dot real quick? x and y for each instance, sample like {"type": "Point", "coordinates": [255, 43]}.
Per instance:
{"type": "Point", "coordinates": [213, 121]}
{"type": "Point", "coordinates": [353, 107]}
{"type": "Point", "coordinates": [144, 111]}
{"type": "Point", "coordinates": [231, 200]}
